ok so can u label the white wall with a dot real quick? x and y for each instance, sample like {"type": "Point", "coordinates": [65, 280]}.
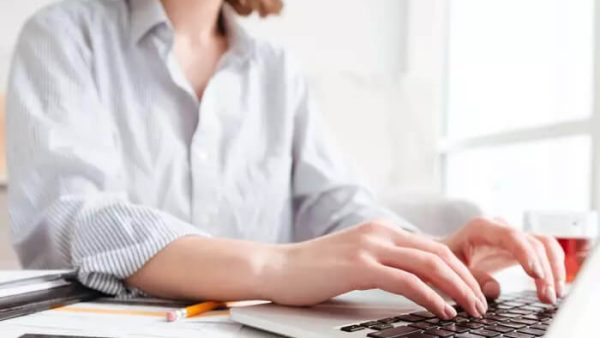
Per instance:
{"type": "Point", "coordinates": [376, 68]}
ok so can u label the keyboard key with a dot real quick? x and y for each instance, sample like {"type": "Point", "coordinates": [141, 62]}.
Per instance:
{"type": "Point", "coordinates": [471, 325]}
{"type": "Point", "coordinates": [424, 314]}
{"type": "Point", "coordinates": [409, 318]}
{"type": "Point", "coordinates": [524, 321]}
{"type": "Point", "coordinates": [369, 323]}
{"type": "Point", "coordinates": [485, 321]}
{"type": "Point", "coordinates": [455, 328]}
{"type": "Point", "coordinates": [485, 333]}
{"type": "Point", "coordinates": [419, 335]}
{"type": "Point", "coordinates": [504, 307]}
{"type": "Point", "coordinates": [542, 327]}
{"type": "Point", "coordinates": [439, 333]}
{"type": "Point", "coordinates": [352, 328]}
{"type": "Point", "coordinates": [541, 306]}
{"type": "Point", "coordinates": [512, 325]}
{"type": "Point", "coordinates": [439, 322]}
{"type": "Point", "coordinates": [535, 332]}
{"type": "Point", "coordinates": [399, 331]}
{"type": "Point", "coordinates": [497, 318]}
{"type": "Point", "coordinates": [535, 317]}
{"type": "Point", "coordinates": [460, 319]}
{"type": "Point", "coordinates": [388, 320]}
{"type": "Point", "coordinates": [422, 325]}
{"type": "Point", "coordinates": [520, 312]}
{"type": "Point", "coordinates": [510, 315]}
{"type": "Point", "coordinates": [518, 335]}
{"type": "Point", "coordinates": [498, 328]}
{"type": "Point", "coordinates": [466, 335]}
{"type": "Point", "coordinates": [380, 327]}
{"type": "Point", "coordinates": [514, 303]}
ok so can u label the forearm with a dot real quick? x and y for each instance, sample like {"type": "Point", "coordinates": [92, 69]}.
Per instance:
{"type": "Point", "coordinates": [196, 267]}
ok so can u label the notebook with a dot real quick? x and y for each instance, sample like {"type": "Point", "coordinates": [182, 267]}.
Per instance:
{"type": "Point", "coordinates": [26, 292]}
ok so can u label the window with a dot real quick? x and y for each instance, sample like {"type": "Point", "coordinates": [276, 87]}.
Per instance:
{"type": "Point", "coordinates": [519, 129]}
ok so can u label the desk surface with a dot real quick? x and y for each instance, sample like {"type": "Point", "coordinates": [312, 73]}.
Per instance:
{"type": "Point", "coordinates": [110, 320]}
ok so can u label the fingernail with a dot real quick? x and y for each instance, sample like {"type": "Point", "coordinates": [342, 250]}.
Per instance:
{"type": "Point", "coordinates": [449, 311]}
{"type": "Point", "coordinates": [537, 270]}
{"type": "Point", "coordinates": [551, 294]}
{"type": "Point", "coordinates": [491, 289]}
{"type": "Point", "coordinates": [560, 289]}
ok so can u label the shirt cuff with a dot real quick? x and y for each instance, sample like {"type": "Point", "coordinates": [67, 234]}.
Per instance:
{"type": "Point", "coordinates": [106, 269]}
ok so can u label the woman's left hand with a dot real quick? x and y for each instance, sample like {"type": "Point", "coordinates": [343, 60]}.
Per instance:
{"type": "Point", "coordinates": [487, 246]}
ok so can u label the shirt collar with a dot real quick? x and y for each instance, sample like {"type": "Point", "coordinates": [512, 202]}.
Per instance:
{"type": "Point", "coordinates": [145, 15]}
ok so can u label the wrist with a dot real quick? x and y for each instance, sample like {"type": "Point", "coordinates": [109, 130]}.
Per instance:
{"type": "Point", "coordinates": [270, 268]}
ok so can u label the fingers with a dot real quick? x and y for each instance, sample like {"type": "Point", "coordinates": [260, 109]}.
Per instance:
{"type": "Point", "coordinates": [433, 269]}
{"type": "Point", "coordinates": [556, 255]}
{"type": "Point", "coordinates": [442, 251]}
{"type": "Point", "coordinates": [554, 270]}
{"type": "Point", "coordinates": [545, 285]}
{"type": "Point", "coordinates": [540, 256]}
{"type": "Point", "coordinates": [489, 285]}
{"type": "Point", "coordinates": [515, 241]}
{"type": "Point", "coordinates": [404, 283]}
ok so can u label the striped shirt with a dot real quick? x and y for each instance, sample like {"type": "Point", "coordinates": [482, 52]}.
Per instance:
{"type": "Point", "coordinates": [112, 156]}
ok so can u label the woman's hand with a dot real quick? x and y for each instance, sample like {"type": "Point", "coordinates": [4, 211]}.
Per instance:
{"type": "Point", "coordinates": [486, 246]}
{"type": "Point", "coordinates": [368, 256]}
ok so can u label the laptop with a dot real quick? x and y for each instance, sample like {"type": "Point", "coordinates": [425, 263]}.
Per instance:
{"type": "Point", "coordinates": [377, 314]}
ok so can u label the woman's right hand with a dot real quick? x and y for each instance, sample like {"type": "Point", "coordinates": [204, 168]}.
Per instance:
{"type": "Point", "coordinates": [373, 255]}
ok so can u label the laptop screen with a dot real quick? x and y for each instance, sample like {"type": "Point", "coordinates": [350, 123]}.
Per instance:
{"type": "Point", "coordinates": [578, 315]}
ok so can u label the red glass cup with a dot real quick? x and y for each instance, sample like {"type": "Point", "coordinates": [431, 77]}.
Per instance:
{"type": "Point", "coordinates": [575, 231]}
{"type": "Point", "coordinates": [576, 250]}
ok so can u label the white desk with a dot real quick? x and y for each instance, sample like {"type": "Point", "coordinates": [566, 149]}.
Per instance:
{"type": "Point", "coordinates": [93, 319]}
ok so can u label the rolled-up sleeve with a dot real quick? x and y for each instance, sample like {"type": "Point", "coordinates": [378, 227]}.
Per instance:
{"type": "Point", "coordinates": [327, 194]}
{"type": "Point", "coordinates": [67, 197]}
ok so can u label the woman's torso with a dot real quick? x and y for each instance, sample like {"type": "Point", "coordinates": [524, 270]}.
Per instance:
{"type": "Point", "coordinates": [222, 163]}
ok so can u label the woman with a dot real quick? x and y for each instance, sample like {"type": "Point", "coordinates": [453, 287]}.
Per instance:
{"type": "Point", "coordinates": [157, 148]}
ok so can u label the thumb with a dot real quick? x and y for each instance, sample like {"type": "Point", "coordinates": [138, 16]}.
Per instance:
{"type": "Point", "coordinates": [489, 285]}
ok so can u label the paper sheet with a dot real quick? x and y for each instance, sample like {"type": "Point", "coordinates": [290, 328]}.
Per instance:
{"type": "Point", "coordinates": [124, 321]}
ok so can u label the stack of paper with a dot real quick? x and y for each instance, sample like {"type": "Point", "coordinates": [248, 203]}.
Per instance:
{"type": "Point", "coordinates": [37, 291]}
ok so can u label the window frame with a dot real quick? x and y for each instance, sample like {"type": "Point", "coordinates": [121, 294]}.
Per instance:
{"type": "Point", "coordinates": [589, 126]}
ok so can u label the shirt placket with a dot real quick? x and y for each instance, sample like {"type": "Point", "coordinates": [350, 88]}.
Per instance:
{"type": "Point", "coordinates": [204, 161]}
{"type": "Point", "coordinates": [203, 154]}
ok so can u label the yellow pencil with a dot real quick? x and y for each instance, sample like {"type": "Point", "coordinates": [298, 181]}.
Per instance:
{"type": "Point", "coordinates": [193, 310]}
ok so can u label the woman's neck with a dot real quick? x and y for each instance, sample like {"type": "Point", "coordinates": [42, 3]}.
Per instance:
{"type": "Point", "coordinates": [196, 20]}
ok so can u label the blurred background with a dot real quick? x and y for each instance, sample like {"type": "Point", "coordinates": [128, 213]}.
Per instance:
{"type": "Point", "coordinates": [489, 101]}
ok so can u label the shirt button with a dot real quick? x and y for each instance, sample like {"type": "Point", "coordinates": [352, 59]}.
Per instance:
{"type": "Point", "coordinates": [202, 155]}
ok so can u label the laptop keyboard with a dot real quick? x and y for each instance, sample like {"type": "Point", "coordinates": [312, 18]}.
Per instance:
{"type": "Point", "coordinates": [518, 315]}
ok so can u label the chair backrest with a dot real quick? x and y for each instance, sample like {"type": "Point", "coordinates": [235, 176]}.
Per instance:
{"type": "Point", "coordinates": [434, 214]}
